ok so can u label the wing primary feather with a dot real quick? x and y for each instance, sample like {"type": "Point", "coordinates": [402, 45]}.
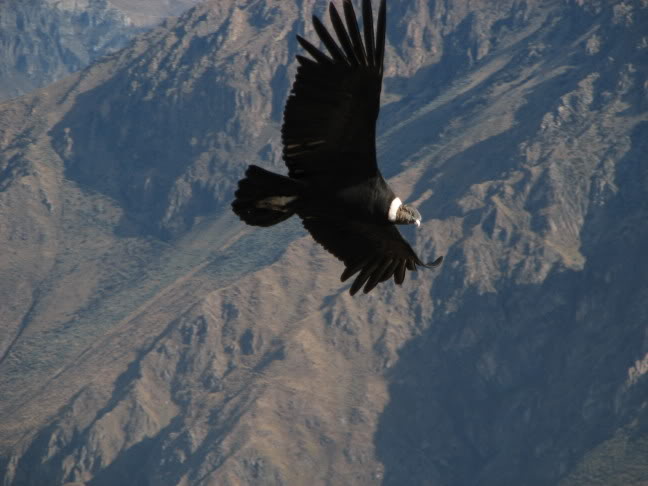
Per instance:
{"type": "Point", "coordinates": [367, 22]}
{"type": "Point", "coordinates": [389, 270]}
{"type": "Point", "coordinates": [314, 51]}
{"type": "Point", "coordinates": [374, 279]}
{"type": "Point", "coordinates": [304, 61]}
{"type": "Point", "coordinates": [399, 276]}
{"type": "Point", "coordinates": [381, 29]}
{"type": "Point", "coordinates": [363, 276]}
{"type": "Point", "coordinates": [328, 41]}
{"type": "Point", "coordinates": [353, 269]}
{"type": "Point", "coordinates": [435, 263]}
{"type": "Point", "coordinates": [354, 31]}
{"type": "Point", "coordinates": [411, 265]}
{"type": "Point", "coordinates": [342, 35]}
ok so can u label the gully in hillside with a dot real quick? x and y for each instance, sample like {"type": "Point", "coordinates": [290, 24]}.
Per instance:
{"type": "Point", "coordinates": [334, 184]}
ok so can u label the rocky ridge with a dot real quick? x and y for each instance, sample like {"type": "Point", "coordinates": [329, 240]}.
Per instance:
{"type": "Point", "coordinates": [42, 41]}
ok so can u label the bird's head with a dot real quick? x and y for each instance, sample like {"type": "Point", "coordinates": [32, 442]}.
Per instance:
{"type": "Point", "coordinates": [400, 213]}
{"type": "Point", "coordinates": [408, 215]}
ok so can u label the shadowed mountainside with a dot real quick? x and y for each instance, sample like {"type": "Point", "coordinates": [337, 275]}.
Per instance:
{"type": "Point", "coordinates": [44, 40]}
{"type": "Point", "coordinates": [147, 337]}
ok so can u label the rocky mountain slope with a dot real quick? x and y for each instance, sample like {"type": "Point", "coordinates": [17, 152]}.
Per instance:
{"type": "Point", "coordinates": [42, 41]}
{"type": "Point", "coordinates": [147, 337]}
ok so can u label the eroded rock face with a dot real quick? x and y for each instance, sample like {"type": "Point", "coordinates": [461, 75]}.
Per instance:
{"type": "Point", "coordinates": [44, 40]}
{"type": "Point", "coordinates": [152, 339]}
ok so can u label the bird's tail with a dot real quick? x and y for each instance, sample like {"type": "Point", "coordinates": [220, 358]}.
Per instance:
{"type": "Point", "coordinates": [264, 198]}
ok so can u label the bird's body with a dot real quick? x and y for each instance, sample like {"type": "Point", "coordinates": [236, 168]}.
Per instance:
{"type": "Point", "coordinates": [363, 199]}
{"type": "Point", "coordinates": [333, 183]}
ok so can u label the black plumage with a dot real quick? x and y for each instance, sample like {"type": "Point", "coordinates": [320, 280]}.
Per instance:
{"type": "Point", "coordinates": [334, 184]}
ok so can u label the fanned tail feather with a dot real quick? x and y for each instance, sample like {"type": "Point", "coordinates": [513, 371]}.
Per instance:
{"type": "Point", "coordinates": [264, 198]}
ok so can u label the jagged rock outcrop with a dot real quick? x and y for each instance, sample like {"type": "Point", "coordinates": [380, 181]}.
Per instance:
{"type": "Point", "coordinates": [152, 339]}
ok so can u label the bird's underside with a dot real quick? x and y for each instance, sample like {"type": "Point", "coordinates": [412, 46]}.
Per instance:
{"type": "Point", "coordinates": [328, 134]}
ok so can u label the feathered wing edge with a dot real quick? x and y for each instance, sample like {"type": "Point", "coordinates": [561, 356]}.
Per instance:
{"type": "Point", "coordinates": [350, 49]}
{"type": "Point", "coordinates": [377, 269]}
{"type": "Point", "coordinates": [377, 252]}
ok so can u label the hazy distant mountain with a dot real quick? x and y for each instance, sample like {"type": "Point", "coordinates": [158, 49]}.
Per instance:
{"type": "Point", "coordinates": [148, 338]}
{"type": "Point", "coordinates": [43, 40]}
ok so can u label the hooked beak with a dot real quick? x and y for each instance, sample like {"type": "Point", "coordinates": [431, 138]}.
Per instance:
{"type": "Point", "coordinates": [418, 223]}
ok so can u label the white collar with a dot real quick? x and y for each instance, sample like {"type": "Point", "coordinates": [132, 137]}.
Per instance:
{"type": "Point", "coordinates": [393, 209]}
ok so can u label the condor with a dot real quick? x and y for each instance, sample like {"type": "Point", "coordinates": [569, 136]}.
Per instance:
{"type": "Point", "coordinates": [328, 134]}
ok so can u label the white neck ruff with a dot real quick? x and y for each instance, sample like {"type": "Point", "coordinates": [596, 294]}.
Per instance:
{"type": "Point", "coordinates": [393, 209]}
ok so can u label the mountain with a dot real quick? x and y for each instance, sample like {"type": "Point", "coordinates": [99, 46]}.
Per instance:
{"type": "Point", "coordinates": [148, 337]}
{"type": "Point", "coordinates": [45, 40]}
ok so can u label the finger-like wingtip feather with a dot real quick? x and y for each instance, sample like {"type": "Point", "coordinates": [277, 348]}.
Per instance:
{"type": "Point", "coordinates": [314, 51]}
{"type": "Point", "coordinates": [377, 275]}
{"type": "Point", "coordinates": [364, 275]}
{"type": "Point", "coordinates": [305, 61]}
{"type": "Point", "coordinates": [435, 263]}
{"type": "Point", "coordinates": [389, 271]}
{"type": "Point", "coordinates": [342, 35]}
{"type": "Point", "coordinates": [367, 22]}
{"type": "Point", "coordinates": [353, 269]}
{"type": "Point", "coordinates": [354, 31]}
{"type": "Point", "coordinates": [381, 30]}
{"type": "Point", "coordinates": [399, 276]}
{"type": "Point", "coordinates": [328, 41]}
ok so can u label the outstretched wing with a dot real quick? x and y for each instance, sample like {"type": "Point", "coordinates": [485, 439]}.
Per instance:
{"type": "Point", "coordinates": [377, 251]}
{"type": "Point", "coordinates": [330, 116]}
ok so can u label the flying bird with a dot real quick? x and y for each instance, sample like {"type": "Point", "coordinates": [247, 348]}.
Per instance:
{"type": "Point", "coordinates": [329, 145]}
